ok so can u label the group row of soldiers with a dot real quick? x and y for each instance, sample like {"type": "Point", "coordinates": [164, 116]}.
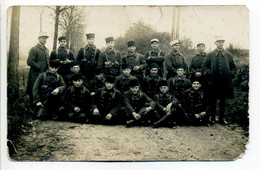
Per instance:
{"type": "Point", "coordinates": [151, 89]}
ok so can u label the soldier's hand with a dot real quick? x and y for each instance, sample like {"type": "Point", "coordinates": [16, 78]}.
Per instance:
{"type": "Point", "coordinates": [168, 113]}
{"type": "Point", "coordinates": [92, 93]}
{"type": "Point", "coordinates": [95, 112]}
{"type": "Point", "coordinates": [39, 104]}
{"type": "Point", "coordinates": [55, 91]}
{"type": "Point", "coordinates": [147, 109]}
{"type": "Point", "coordinates": [108, 116]}
{"type": "Point", "coordinates": [136, 68]}
{"type": "Point", "coordinates": [136, 116]}
{"type": "Point", "coordinates": [168, 107]}
{"type": "Point", "coordinates": [77, 109]}
{"type": "Point", "coordinates": [198, 74]}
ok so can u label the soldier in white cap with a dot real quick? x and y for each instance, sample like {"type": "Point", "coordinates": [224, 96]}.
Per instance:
{"type": "Point", "coordinates": [222, 69]}
{"type": "Point", "coordinates": [155, 56]}
{"type": "Point", "coordinates": [174, 59]}
{"type": "Point", "coordinates": [38, 60]}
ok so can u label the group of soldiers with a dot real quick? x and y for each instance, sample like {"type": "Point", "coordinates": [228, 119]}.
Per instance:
{"type": "Point", "coordinates": [155, 89]}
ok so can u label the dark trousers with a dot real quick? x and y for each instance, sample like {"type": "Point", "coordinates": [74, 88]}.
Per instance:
{"type": "Point", "coordinates": [213, 108]}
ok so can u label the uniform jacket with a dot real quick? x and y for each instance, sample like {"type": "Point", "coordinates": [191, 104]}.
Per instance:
{"type": "Point", "coordinates": [177, 85]}
{"type": "Point", "coordinates": [59, 55]}
{"type": "Point", "coordinates": [94, 84]}
{"type": "Point", "coordinates": [162, 100]}
{"type": "Point", "coordinates": [134, 103]}
{"type": "Point", "coordinates": [106, 101]}
{"type": "Point", "coordinates": [38, 60]}
{"type": "Point", "coordinates": [197, 63]}
{"type": "Point", "coordinates": [43, 87]}
{"type": "Point", "coordinates": [172, 61]}
{"type": "Point", "coordinates": [122, 82]}
{"type": "Point", "coordinates": [222, 69]}
{"type": "Point", "coordinates": [135, 59]}
{"type": "Point", "coordinates": [68, 77]}
{"type": "Point", "coordinates": [151, 85]}
{"type": "Point", "coordinates": [111, 62]}
{"type": "Point", "coordinates": [155, 56]}
{"type": "Point", "coordinates": [77, 97]}
{"type": "Point", "coordinates": [193, 101]}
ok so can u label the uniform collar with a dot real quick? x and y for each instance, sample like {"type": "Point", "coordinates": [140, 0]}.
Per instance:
{"type": "Point", "coordinates": [110, 51]}
{"type": "Point", "coordinates": [39, 45]}
{"type": "Point", "coordinates": [48, 72]}
{"type": "Point", "coordinates": [62, 48]}
{"type": "Point", "coordinates": [156, 50]}
{"type": "Point", "coordinates": [222, 51]}
{"type": "Point", "coordinates": [175, 52]}
{"type": "Point", "coordinates": [93, 47]}
{"type": "Point", "coordinates": [131, 54]}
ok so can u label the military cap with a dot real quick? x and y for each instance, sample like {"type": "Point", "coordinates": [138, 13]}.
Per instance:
{"type": "Point", "coordinates": [155, 40]}
{"type": "Point", "coordinates": [74, 63]}
{"type": "Point", "coordinates": [179, 66]}
{"type": "Point", "coordinates": [125, 66]}
{"type": "Point", "coordinates": [43, 34]}
{"type": "Point", "coordinates": [54, 64]}
{"type": "Point", "coordinates": [200, 43]}
{"type": "Point", "coordinates": [219, 38]}
{"type": "Point", "coordinates": [130, 43]}
{"type": "Point", "coordinates": [174, 42]}
{"type": "Point", "coordinates": [98, 71]}
{"type": "Point", "coordinates": [163, 83]}
{"type": "Point", "coordinates": [77, 76]}
{"type": "Point", "coordinates": [110, 79]}
{"type": "Point", "coordinates": [62, 38]}
{"type": "Point", "coordinates": [109, 39]}
{"type": "Point", "coordinates": [90, 35]}
{"type": "Point", "coordinates": [133, 82]}
{"type": "Point", "coordinates": [194, 78]}
{"type": "Point", "coordinates": [154, 65]}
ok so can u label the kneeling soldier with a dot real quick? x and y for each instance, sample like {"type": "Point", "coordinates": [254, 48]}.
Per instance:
{"type": "Point", "coordinates": [193, 103]}
{"type": "Point", "coordinates": [74, 69]}
{"type": "Point", "coordinates": [76, 101]}
{"type": "Point", "coordinates": [47, 92]}
{"type": "Point", "coordinates": [167, 106]}
{"type": "Point", "coordinates": [108, 104]}
{"type": "Point", "coordinates": [122, 81]}
{"type": "Point", "coordinates": [139, 106]}
{"type": "Point", "coordinates": [97, 82]}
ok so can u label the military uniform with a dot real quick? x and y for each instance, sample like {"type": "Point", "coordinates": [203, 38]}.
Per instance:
{"type": "Point", "coordinates": [151, 85]}
{"type": "Point", "coordinates": [60, 55]}
{"type": "Point", "coordinates": [95, 84]}
{"type": "Point", "coordinates": [178, 85]}
{"type": "Point", "coordinates": [155, 56]}
{"type": "Point", "coordinates": [42, 92]}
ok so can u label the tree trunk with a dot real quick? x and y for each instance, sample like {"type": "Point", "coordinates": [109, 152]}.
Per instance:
{"type": "Point", "coordinates": [57, 13]}
{"type": "Point", "coordinates": [13, 56]}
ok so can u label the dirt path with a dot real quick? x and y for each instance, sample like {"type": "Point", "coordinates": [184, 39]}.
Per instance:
{"type": "Point", "coordinates": [67, 141]}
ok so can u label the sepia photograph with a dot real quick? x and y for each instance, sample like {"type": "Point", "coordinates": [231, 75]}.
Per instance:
{"type": "Point", "coordinates": [127, 83]}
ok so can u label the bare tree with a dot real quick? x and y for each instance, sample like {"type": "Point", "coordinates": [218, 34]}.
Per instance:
{"type": "Point", "coordinates": [13, 56]}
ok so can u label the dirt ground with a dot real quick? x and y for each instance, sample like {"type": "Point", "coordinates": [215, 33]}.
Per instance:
{"type": "Point", "coordinates": [68, 141]}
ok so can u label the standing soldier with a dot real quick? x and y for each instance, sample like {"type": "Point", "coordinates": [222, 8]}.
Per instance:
{"type": "Point", "coordinates": [222, 70]}
{"type": "Point", "coordinates": [135, 60]}
{"type": "Point", "coordinates": [174, 60]}
{"type": "Point", "coordinates": [88, 57]}
{"type": "Point", "coordinates": [110, 59]}
{"type": "Point", "coordinates": [63, 56]}
{"type": "Point", "coordinates": [155, 56]}
{"type": "Point", "coordinates": [196, 69]}
{"type": "Point", "coordinates": [38, 61]}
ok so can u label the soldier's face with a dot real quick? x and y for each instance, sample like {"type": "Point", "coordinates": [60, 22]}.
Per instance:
{"type": "Point", "coordinates": [134, 89]}
{"type": "Point", "coordinates": [91, 41]}
{"type": "Point", "coordinates": [164, 89]}
{"type": "Point", "coordinates": [53, 70]}
{"type": "Point", "coordinates": [77, 83]}
{"type": "Point", "coordinates": [111, 44]}
{"type": "Point", "coordinates": [42, 40]}
{"type": "Point", "coordinates": [75, 69]}
{"type": "Point", "coordinates": [126, 72]}
{"type": "Point", "coordinates": [109, 85]}
{"type": "Point", "coordinates": [63, 43]}
{"type": "Point", "coordinates": [175, 47]}
{"type": "Point", "coordinates": [180, 72]}
{"type": "Point", "coordinates": [132, 49]}
{"type": "Point", "coordinates": [201, 48]}
{"type": "Point", "coordinates": [155, 45]}
{"type": "Point", "coordinates": [100, 76]}
{"type": "Point", "coordinates": [154, 71]}
{"type": "Point", "coordinates": [196, 85]}
{"type": "Point", "coordinates": [220, 44]}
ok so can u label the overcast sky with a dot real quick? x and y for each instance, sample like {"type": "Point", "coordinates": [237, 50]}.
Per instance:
{"type": "Point", "coordinates": [200, 23]}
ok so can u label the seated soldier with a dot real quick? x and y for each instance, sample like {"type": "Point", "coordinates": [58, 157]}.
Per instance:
{"type": "Point", "coordinates": [122, 81]}
{"type": "Point", "coordinates": [96, 83]}
{"type": "Point", "coordinates": [179, 83]}
{"type": "Point", "coordinates": [108, 104]}
{"type": "Point", "coordinates": [138, 105]}
{"type": "Point", "coordinates": [151, 82]}
{"type": "Point", "coordinates": [76, 101]}
{"type": "Point", "coordinates": [74, 69]}
{"type": "Point", "coordinates": [167, 106]}
{"type": "Point", "coordinates": [193, 103]}
{"type": "Point", "coordinates": [47, 91]}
